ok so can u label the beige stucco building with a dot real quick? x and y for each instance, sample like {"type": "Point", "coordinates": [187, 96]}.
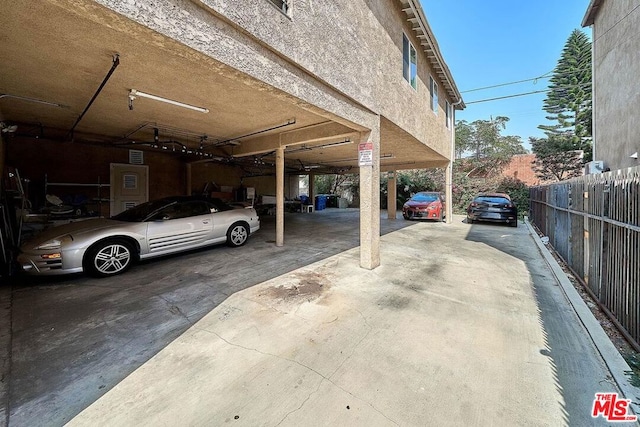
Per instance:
{"type": "Point", "coordinates": [291, 86]}
{"type": "Point", "coordinates": [616, 95]}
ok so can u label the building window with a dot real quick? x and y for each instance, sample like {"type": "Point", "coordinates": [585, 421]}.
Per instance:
{"type": "Point", "coordinates": [433, 92]}
{"type": "Point", "coordinates": [283, 5]}
{"type": "Point", "coordinates": [409, 62]}
{"type": "Point", "coordinates": [448, 112]}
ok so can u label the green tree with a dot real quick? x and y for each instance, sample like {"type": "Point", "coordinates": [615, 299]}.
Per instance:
{"type": "Point", "coordinates": [464, 138]}
{"type": "Point", "coordinates": [483, 138]}
{"type": "Point", "coordinates": [338, 184]}
{"type": "Point", "coordinates": [557, 158]}
{"type": "Point", "coordinates": [518, 191]}
{"type": "Point", "coordinates": [568, 105]}
{"type": "Point", "coordinates": [491, 150]}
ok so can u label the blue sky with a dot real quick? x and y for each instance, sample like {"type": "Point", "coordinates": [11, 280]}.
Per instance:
{"type": "Point", "coordinates": [487, 43]}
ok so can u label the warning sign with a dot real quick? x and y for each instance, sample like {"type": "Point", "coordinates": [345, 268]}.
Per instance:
{"type": "Point", "coordinates": [365, 154]}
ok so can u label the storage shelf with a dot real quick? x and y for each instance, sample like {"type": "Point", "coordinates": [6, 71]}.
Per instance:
{"type": "Point", "coordinates": [97, 200]}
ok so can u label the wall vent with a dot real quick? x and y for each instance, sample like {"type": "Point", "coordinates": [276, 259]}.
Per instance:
{"type": "Point", "coordinates": [136, 157]}
{"type": "Point", "coordinates": [130, 182]}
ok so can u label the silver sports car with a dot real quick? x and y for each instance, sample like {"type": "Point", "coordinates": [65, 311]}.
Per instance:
{"type": "Point", "coordinates": [104, 247]}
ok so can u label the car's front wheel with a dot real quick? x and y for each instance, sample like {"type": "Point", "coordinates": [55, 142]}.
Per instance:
{"type": "Point", "coordinates": [237, 234]}
{"type": "Point", "coordinates": [109, 257]}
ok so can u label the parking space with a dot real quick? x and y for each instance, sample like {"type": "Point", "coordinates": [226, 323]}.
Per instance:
{"type": "Point", "coordinates": [461, 325]}
{"type": "Point", "coordinates": [73, 338]}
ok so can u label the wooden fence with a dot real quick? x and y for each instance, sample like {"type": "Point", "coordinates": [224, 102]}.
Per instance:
{"type": "Point", "coordinates": [593, 222]}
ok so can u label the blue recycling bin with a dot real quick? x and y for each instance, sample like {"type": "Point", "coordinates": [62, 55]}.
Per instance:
{"type": "Point", "coordinates": [321, 202]}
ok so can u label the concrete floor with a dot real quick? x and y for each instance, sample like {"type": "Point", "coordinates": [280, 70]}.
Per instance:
{"type": "Point", "coordinates": [73, 338]}
{"type": "Point", "coordinates": [460, 325]}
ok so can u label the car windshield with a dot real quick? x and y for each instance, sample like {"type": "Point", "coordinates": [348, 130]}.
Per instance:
{"type": "Point", "coordinates": [492, 199]}
{"type": "Point", "coordinates": [425, 197]}
{"type": "Point", "coordinates": [140, 212]}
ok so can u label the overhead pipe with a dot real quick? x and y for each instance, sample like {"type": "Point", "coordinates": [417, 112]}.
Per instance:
{"type": "Point", "coordinates": [116, 62]}
{"type": "Point", "coordinates": [227, 141]}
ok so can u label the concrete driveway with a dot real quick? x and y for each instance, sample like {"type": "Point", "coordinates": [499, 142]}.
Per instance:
{"type": "Point", "coordinates": [65, 341]}
{"type": "Point", "coordinates": [461, 325]}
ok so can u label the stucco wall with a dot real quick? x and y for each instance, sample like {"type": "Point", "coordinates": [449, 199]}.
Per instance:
{"type": "Point", "coordinates": [617, 93]}
{"type": "Point", "coordinates": [356, 47]}
{"type": "Point", "coordinates": [343, 57]}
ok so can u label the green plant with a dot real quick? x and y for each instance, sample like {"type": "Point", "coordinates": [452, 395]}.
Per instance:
{"type": "Point", "coordinates": [519, 193]}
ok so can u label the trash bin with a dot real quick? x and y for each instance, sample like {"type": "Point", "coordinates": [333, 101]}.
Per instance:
{"type": "Point", "coordinates": [321, 202]}
{"type": "Point", "coordinates": [332, 201]}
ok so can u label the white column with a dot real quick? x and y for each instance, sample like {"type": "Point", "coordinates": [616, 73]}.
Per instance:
{"type": "Point", "coordinates": [312, 193]}
{"type": "Point", "coordinates": [280, 196]}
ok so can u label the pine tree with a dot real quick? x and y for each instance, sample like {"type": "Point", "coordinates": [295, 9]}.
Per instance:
{"type": "Point", "coordinates": [568, 104]}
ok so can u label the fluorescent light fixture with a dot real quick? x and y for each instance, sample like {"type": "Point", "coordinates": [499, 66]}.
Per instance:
{"type": "Point", "coordinates": [39, 101]}
{"type": "Point", "coordinates": [333, 144]}
{"type": "Point", "coordinates": [133, 94]}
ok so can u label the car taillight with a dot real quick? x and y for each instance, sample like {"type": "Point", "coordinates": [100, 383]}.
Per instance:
{"type": "Point", "coordinates": [474, 204]}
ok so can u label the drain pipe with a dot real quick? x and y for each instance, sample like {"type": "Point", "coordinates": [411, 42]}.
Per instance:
{"type": "Point", "coordinates": [116, 62]}
{"type": "Point", "coordinates": [449, 171]}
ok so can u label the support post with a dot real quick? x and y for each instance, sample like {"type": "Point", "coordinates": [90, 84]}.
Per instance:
{"type": "Point", "coordinates": [312, 193]}
{"type": "Point", "coordinates": [392, 195]}
{"type": "Point", "coordinates": [280, 196]}
{"type": "Point", "coordinates": [370, 203]}
{"type": "Point", "coordinates": [188, 180]}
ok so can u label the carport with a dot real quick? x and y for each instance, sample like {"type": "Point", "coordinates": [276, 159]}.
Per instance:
{"type": "Point", "coordinates": [73, 338]}
{"type": "Point", "coordinates": [77, 75]}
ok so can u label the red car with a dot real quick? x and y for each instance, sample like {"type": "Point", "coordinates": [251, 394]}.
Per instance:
{"type": "Point", "coordinates": [425, 204]}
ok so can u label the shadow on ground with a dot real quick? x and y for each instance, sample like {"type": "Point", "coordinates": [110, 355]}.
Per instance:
{"type": "Point", "coordinates": [577, 377]}
{"type": "Point", "coordinates": [73, 338]}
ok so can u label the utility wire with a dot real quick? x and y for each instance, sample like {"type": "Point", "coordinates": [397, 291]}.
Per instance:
{"type": "Point", "coordinates": [619, 21]}
{"type": "Point", "coordinates": [544, 76]}
{"type": "Point", "coordinates": [505, 97]}
{"type": "Point", "coordinates": [528, 93]}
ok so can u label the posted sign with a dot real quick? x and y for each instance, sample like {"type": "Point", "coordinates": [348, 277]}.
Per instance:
{"type": "Point", "coordinates": [365, 154]}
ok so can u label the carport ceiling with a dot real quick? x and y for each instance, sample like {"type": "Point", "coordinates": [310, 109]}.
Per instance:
{"type": "Point", "coordinates": [61, 54]}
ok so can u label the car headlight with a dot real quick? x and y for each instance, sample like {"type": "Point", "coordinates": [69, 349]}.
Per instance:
{"type": "Point", "coordinates": [55, 243]}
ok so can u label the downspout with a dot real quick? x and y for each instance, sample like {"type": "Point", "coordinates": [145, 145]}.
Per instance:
{"type": "Point", "coordinates": [449, 172]}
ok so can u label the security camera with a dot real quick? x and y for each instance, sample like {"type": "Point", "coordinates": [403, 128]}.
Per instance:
{"type": "Point", "coordinates": [634, 155]}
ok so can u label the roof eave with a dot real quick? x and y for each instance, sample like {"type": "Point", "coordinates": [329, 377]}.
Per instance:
{"type": "Point", "coordinates": [421, 27]}
{"type": "Point", "coordinates": [592, 11]}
